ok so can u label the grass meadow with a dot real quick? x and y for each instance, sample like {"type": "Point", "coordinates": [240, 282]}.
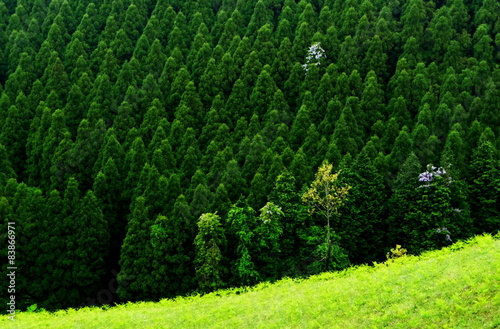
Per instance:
{"type": "Point", "coordinates": [456, 287]}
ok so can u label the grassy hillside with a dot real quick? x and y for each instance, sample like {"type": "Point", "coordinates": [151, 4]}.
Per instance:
{"type": "Point", "coordinates": [457, 287]}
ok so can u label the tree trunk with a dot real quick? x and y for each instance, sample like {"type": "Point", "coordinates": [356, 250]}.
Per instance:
{"type": "Point", "coordinates": [329, 243]}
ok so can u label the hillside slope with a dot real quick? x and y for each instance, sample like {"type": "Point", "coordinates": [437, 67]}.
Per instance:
{"type": "Point", "coordinates": [456, 287]}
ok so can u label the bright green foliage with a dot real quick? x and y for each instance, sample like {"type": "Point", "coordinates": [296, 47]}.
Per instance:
{"type": "Point", "coordinates": [268, 234]}
{"type": "Point", "coordinates": [242, 224]}
{"type": "Point", "coordinates": [326, 197]}
{"type": "Point", "coordinates": [209, 241]}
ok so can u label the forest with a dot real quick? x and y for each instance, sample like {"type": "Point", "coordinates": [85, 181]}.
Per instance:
{"type": "Point", "coordinates": [159, 148]}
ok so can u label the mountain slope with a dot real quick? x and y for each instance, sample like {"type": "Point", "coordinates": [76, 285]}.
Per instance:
{"type": "Point", "coordinates": [456, 287]}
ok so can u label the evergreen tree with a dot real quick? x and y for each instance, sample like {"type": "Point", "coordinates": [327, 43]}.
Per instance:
{"type": "Point", "coordinates": [261, 16]}
{"type": "Point", "coordinates": [347, 134]}
{"type": "Point", "coordinates": [136, 254]}
{"type": "Point", "coordinates": [281, 65]}
{"type": "Point", "coordinates": [107, 186]}
{"type": "Point", "coordinates": [300, 168]}
{"type": "Point", "coordinates": [293, 245]}
{"type": "Point", "coordinates": [6, 171]}
{"type": "Point", "coordinates": [14, 136]}
{"type": "Point", "coordinates": [300, 126]}
{"type": "Point", "coordinates": [263, 92]}
{"type": "Point", "coordinates": [201, 197]}
{"type": "Point", "coordinates": [454, 152]}
{"type": "Point", "coordinates": [363, 214]}
{"type": "Point", "coordinates": [232, 178]}
{"type": "Point", "coordinates": [258, 195]}
{"type": "Point", "coordinates": [401, 149]}
{"type": "Point", "coordinates": [88, 244]}
{"type": "Point", "coordinates": [372, 99]}
{"type": "Point", "coordinates": [52, 228]}
{"type": "Point", "coordinates": [484, 186]}
{"type": "Point", "coordinates": [134, 162]}
{"type": "Point", "coordinates": [170, 263]}
{"type": "Point", "coordinates": [431, 222]}
{"type": "Point", "coordinates": [55, 135]}
{"type": "Point", "coordinates": [402, 199]}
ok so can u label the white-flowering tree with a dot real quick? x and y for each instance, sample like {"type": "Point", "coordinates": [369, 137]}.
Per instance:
{"type": "Point", "coordinates": [314, 56]}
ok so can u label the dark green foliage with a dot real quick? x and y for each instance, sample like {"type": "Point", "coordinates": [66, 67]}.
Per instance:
{"type": "Point", "coordinates": [6, 170]}
{"type": "Point", "coordinates": [347, 134]}
{"type": "Point", "coordinates": [88, 244]}
{"type": "Point", "coordinates": [263, 92]}
{"type": "Point", "coordinates": [300, 126]}
{"type": "Point", "coordinates": [134, 161]}
{"type": "Point", "coordinates": [14, 136]}
{"type": "Point", "coordinates": [428, 217]}
{"type": "Point", "coordinates": [170, 263]}
{"type": "Point", "coordinates": [362, 218]}
{"type": "Point", "coordinates": [135, 254]}
{"type": "Point", "coordinates": [107, 187]}
{"type": "Point", "coordinates": [484, 187]}
{"type": "Point", "coordinates": [294, 222]}
{"type": "Point", "coordinates": [434, 218]}
{"type": "Point", "coordinates": [402, 199]}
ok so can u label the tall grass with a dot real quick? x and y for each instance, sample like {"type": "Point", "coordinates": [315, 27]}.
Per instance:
{"type": "Point", "coordinates": [457, 287]}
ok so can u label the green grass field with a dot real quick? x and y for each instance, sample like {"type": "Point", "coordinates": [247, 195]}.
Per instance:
{"type": "Point", "coordinates": [457, 287]}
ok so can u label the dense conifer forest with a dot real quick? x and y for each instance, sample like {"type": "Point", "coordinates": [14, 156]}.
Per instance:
{"type": "Point", "coordinates": [150, 149]}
